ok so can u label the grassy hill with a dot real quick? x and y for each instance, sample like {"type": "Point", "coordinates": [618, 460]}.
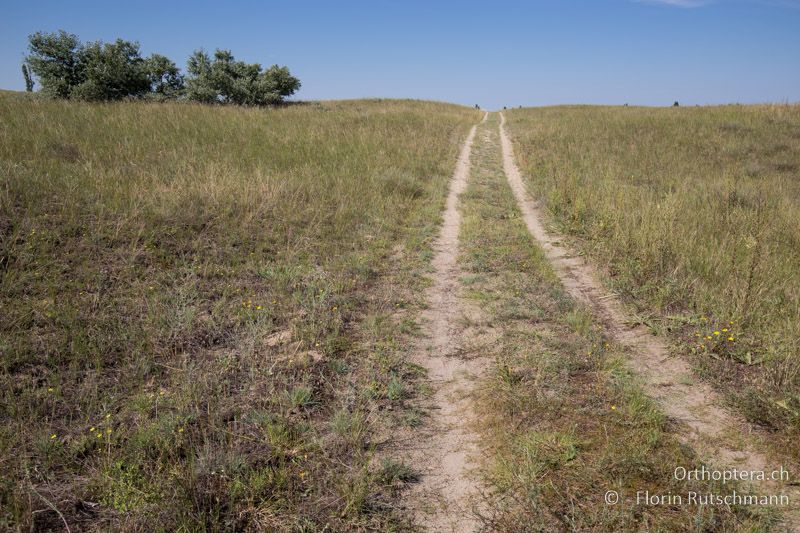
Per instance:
{"type": "Point", "coordinates": [193, 303]}
{"type": "Point", "coordinates": [695, 215]}
{"type": "Point", "coordinates": [208, 315]}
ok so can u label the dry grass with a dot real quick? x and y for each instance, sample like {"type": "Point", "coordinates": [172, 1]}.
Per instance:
{"type": "Point", "coordinates": [193, 300]}
{"type": "Point", "coordinates": [563, 420]}
{"type": "Point", "coordinates": [695, 215]}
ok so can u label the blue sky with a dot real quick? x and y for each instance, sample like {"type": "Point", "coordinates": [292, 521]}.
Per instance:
{"type": "Point", "coordinates": [490, 53]}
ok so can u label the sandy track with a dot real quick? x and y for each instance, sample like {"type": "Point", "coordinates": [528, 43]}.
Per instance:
{"type": "Point", "coordinates": [443, 449]}
{"type": "Point", "coordinates": [709, 429]}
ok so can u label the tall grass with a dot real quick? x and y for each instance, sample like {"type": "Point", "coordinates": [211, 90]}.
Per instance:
{"type": "Point", "coordinates": [563, 421]}
{"type": "Point", "coordinates": [695, 214]}
{"type": "Point", "coordinates": [182, 290]}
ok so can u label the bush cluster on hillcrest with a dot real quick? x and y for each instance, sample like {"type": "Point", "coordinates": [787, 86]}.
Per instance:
{"type": "Point", "coordinates": [98, 71]}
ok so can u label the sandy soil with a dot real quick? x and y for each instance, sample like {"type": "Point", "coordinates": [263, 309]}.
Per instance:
{"type": "Point", "coordinates": [444, 449]}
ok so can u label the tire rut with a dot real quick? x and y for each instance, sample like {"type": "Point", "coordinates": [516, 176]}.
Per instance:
{"type": "Point", "coordinates": [723, 439]}
{"type": "Point", "coordinates": [444, 449]}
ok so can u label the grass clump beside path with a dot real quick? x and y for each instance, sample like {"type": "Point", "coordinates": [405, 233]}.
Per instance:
{"type": "Point", "coordinates": [694, 213]}
{"type": "Point", "coordinates": [189, 302]}
{"type": "Point", "coordinates": [564, 423]}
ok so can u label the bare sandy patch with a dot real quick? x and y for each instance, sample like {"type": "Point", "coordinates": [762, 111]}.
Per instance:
{"type": "Point", "coordinates": [444, 449]}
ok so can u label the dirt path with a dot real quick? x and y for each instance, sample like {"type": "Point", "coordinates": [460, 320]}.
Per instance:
{"type": "Point", "coordinates": [719, 437]}
{"type": "Point", "coordinates": [442, 450]}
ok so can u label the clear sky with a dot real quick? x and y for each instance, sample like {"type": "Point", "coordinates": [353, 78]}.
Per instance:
{"type": "Point", "coordinates": [492, 53]}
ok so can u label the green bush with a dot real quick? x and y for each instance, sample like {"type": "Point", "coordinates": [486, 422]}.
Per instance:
{"type": "Point", "coordinates": [110, 71]}
{"type": "Point", "coordinates": [165, 78]}
{"type": "Point", "coordinates": [99, 71]}
{"type": "Point", "coordinates": [225, 80]}
{"type": "Point", "coordinates": [54, 59]}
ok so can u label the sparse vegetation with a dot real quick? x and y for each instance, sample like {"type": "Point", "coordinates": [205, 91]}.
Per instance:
{"type": "Point", "coordinates": [208, 311]}
{"type": "Point", "coordinates": [563, 421]}
{"type": "Point", "coordinates": [694, 214]}
{"type": "Point", "coordinates": [196, 328]}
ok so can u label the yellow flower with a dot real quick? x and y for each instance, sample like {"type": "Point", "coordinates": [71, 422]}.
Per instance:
{"type": "Point", "coordinates": [180, 430]}
{"type": "Point", "coordinates": [53, 436]}
{"type": "Point", "coordinates": [91, 430]}
{"type": "Point", "coordinates": [99, 434]}
{"type": "Point", "coordinates": [258, 308]}
{"type": "Point", "coordinates": [716, 333]}
{"type": "Point", "coordinates": [108, 431]}
{"type": "Point", "coordinates": [49, 389]}
{"type": "Point", "coordinates": [724, 330]}
{"type": "Point", "coordinates": [613, 407]}
{"type": "Point", "coordinates": [730, 338]}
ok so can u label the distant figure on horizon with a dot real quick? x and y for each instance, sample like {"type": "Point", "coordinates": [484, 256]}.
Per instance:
{"type": "Point", "coordinates": [477, 106]}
